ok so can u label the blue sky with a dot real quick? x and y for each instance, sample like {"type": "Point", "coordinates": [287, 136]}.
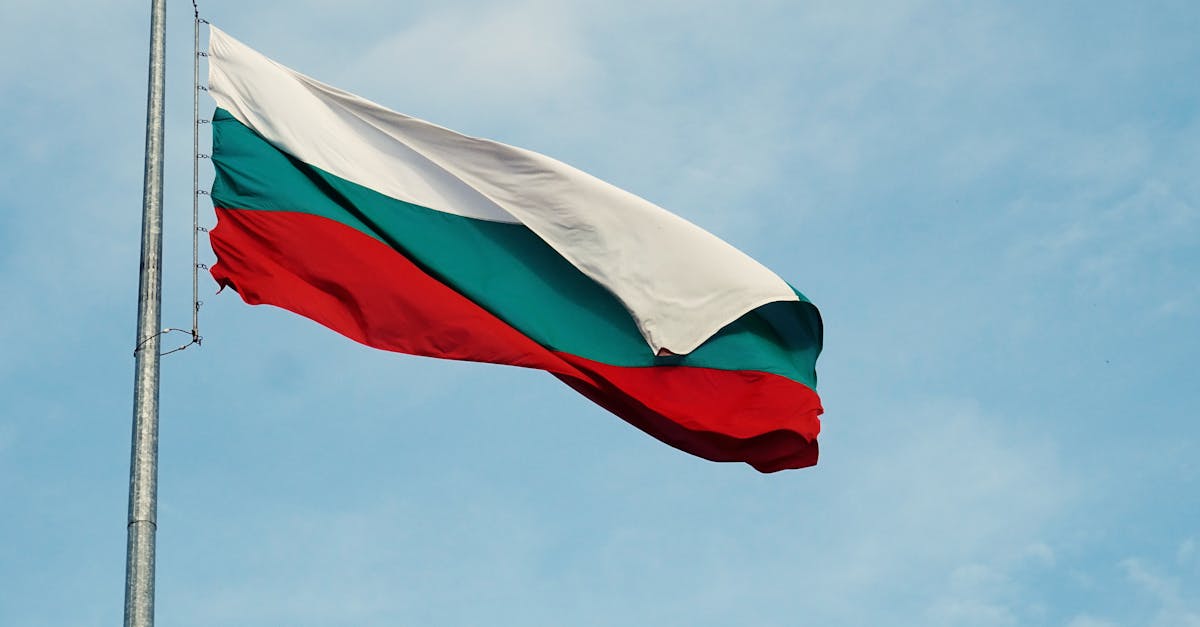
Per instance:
{"type": "Point", "coordinates": [995, 205]}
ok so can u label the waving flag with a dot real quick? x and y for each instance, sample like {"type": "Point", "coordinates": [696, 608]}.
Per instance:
{"type": "Point", "coordinates": [409, 237]}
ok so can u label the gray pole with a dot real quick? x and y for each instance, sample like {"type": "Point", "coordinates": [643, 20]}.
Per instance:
{"type": "Point", "coordinates": [195, 173]}
{"type": "Point", "coordinates": [143, 467]}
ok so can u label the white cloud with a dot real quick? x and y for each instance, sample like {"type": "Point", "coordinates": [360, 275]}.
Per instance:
{"type": "Point", "coordinates": [1187, 552]}
{"type": "Point", "coordinates": [1175, 607]}
{"type": "Point", "coordinates": [1040, 554]}
{"type": "Point", "coordinates": [1164, 589]}
{"type": "Point", "coordinates": [1084, 620]}
{"type": "Point", "coordinates": [1107, 240]}
{"type": "Point", "coordinates": [936, 521]}
{"type": "Point", "coordinates": [971, 612]}
{"type": "Point", "coordinates": [530, 54]}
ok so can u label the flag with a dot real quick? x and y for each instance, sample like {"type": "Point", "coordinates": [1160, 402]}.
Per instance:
{"type": "Point", "coordinates": [409, 237]}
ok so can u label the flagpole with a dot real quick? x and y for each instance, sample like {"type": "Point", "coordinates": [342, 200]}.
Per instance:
{"type": "Point", "coordinates": [143, 467]}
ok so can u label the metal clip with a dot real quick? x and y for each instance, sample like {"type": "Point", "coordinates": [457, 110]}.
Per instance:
{"type": "Point", "coordinates": [202, 192]}
{"type": "Point", "coordinates": [203, 156]}
{"type": "Point", "coordinates": [201, 88]}
{"type": "Point", "coordinates": [202, 54]}
{"type": "Point", "coordinates": [202, 266]}
{"type": "Point", "coordinates": [203, 121]}
{"type": "Point", "coordinates": [201, 229]}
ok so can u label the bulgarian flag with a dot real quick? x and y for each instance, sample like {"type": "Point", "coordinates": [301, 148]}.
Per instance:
{"type": "Point", "coordinates": [409, 237]}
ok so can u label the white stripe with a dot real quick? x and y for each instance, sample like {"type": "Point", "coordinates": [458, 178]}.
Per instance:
{"type": "Point", "coordinates": [680, 283]}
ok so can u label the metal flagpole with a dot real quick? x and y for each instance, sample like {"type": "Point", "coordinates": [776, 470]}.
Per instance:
{"type": "Point", "coordinates": [143, 467]}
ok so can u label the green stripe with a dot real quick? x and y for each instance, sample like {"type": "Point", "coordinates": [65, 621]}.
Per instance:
{"type": "Point", "coordinates": [505, 268]}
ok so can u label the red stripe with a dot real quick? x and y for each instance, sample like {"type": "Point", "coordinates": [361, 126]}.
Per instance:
{"type": "Point", "coordinates": [362, 288]}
